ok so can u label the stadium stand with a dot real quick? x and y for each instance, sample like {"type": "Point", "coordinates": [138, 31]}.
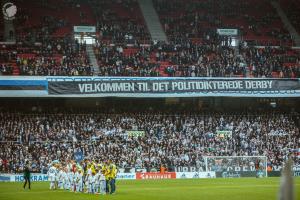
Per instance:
{"type": "Point", "coordinates": [93, 92]}
{"type": "Point", "coordinates": [257, 20]}
{"type": "Point", "coordinates": [170, 139]}
{"type": "Point", "coordinates": [270, 62]}
{"type": "Point", "coordinates": [51, 57]}
{"type": "Point", "coordinates": [39, 17]}
{"type": "Point", "coordinates": [120, 22]}
{"type": "Point", "coordinates": [191, 60]}
{"type": "Point", "coordinates": [1, 29]}
{"type": "Point", "coordinates": [185, 59]}
{"type": "Point", "coordinates": [45, 44]}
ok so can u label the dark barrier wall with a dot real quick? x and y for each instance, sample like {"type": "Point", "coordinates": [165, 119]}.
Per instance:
{"type": "Point", "coordinates": [147, 87]}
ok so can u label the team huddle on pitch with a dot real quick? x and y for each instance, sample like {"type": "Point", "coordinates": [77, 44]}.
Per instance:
{"type": "Point", "coordinates": [88, 177]}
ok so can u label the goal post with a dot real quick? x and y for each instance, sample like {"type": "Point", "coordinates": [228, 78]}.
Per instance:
{"type": "Point", "coordinates": [237, 166]}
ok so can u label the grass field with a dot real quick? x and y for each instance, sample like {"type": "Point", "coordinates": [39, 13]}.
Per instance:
{"type": "Point", "coordinates": [233, 189]}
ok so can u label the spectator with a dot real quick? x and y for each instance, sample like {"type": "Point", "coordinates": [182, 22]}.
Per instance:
{"type": "Point", "coordinates": [170, 140]}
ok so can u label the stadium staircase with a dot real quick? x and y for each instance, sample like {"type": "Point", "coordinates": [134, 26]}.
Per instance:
{"type": "Point", "coordinates": [92, 58]}
{"type": "Point", "coordinates": [152, 20]}
{"type": "Point", "coordinates": [287, 23]}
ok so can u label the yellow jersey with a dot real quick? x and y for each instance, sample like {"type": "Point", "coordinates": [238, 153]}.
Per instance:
{"type": "Point", "coordinates": [106, 170]}
{"type": "Point", "coordinates": [113, 170]}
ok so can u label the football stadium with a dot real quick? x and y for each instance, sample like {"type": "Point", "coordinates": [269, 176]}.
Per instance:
{"type": "Point", "coordinates": [150, 99]}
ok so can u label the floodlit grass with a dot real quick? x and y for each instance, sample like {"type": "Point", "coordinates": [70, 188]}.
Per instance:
{"type": "Point", "coordinates": [190, 189]}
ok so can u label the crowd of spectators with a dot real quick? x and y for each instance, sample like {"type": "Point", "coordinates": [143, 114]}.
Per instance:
{"type": "Point", "coordinates": [172, 140]}
{"type": "Point", "coordinates": [56, 57]}
{"type": "Point", "coordinates": [187, 59]}
{"type": "Point", "coordinates": [123, 48]}
{"type": "Point", "coordinates": [272, 62]}
{"type": "Point", "coordinates": [114, 62]}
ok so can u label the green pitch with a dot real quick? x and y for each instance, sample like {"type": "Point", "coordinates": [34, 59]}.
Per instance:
{"type": "Point", "coordinates": [190, 189]}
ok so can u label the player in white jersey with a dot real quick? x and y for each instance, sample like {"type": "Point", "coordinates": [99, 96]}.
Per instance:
{"type": "Point", "coordinates": [88, 175]}
{"type": "Point", "coordinates": [91, 181]}
{"type": "Point", "coordinates": [97, 181]}
{"type": "Point", "coordinates": [102, 182]}
{"type": "Point", "coordinates": [71, 177]}
{"type": "Point", "coordinates": [64, 179]}
{"type": "Point", "coordinates": [79, 181]}
{"type": "Point", "coordinates": [52, 175]}
{"type": "Point", "coordinates": [67, 180]}
{"type": "Point", "coordinates": [60, 178]}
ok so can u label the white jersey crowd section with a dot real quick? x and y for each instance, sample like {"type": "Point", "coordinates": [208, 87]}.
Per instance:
{"type": "Point", "coordinates": [71, 180]}
{"type": "Point", "coordinates": [79, 181]}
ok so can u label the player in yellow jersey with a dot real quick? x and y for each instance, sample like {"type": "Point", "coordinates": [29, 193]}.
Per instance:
{"type": "Point", "coordinates": [106, 171]}
{"type": "Point", "coordinates": [112, 176]}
